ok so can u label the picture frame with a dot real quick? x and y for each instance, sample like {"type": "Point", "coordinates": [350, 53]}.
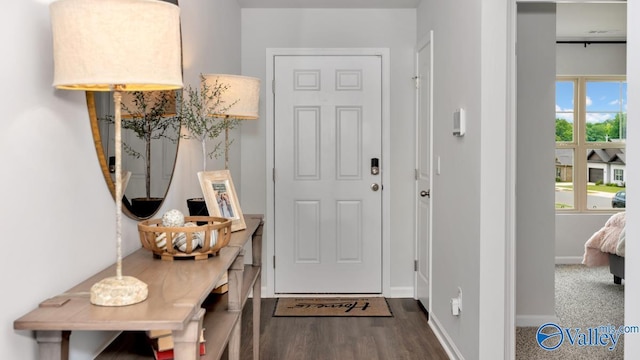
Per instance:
{"type": "Point", "coordinates": [221, 197]}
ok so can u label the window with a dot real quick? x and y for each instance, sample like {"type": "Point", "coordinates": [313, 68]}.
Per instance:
{"type": "Point", "coordinates": [591, 132]}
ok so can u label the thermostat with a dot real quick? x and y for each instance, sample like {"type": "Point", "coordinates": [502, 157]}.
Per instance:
{"type": "Point", "coordinates": [459, 122]}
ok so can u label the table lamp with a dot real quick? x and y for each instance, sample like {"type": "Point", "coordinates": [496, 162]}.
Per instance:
{"type": "Point", "coordinates": [241, 96]}
{"type": "Point", "coordinates": [116, 45]}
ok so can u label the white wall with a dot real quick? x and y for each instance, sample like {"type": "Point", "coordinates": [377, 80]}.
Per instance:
{"type": "Point", "coordinates": [58, 216]}
{"type": "Point", "coordinates": [573, 230]}
{"type": "Point", "coordinates": [469, 208]}
{"type": "Point", "coordinates": [535, 212]}
{"type": "Point", "coordinates": [595, 59]}
{"type": "Point", "coordinates": [632, 283]}
{"type": "Point", "coordinates": [332, 28]}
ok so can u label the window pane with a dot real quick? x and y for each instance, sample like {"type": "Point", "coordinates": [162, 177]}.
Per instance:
{"type": "Point", "coordinates": [606, 111]}
{"type": "Point", "coordinates": [605, 178]}
{"type": "Point", "coordinates": [564, 179]}
{"type": "Point", "coordinates": [564, 110]}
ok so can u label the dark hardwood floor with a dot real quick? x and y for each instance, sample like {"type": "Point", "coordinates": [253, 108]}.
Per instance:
{"type": "Point", "coordinates": [405, 336]}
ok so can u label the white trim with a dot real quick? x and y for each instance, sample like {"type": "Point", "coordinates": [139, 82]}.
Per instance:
{"type": "Point", "coordinates": [401, 292]}
{"type": "Point", "coordinates": [386, 154]}
{"type": "Point", "coordinates": [510, 185]}
{"type": "Point", "coordinates": [535, 320]}
{"type": "Point", "coordinates": [421, 44]}
{"type": "Point", "coordinates": [445, 340]}
{"type": "Point", "coordinates": [562, 260]}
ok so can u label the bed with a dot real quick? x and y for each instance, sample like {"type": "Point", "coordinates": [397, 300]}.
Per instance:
{"type": "Point", "coordinates": [606, 247]}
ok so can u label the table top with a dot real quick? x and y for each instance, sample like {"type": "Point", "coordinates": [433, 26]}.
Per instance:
{"type": "Point", "coordinates": [176, 290]}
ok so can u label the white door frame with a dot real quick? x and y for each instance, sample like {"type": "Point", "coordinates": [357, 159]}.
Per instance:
{"type": "Point", "coordinates": [386, 155]}
{"type": "Point", "coordinates": [421, 44]}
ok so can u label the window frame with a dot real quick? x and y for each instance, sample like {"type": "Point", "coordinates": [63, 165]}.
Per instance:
{"type": "Point", "coordinates": [580, 145]}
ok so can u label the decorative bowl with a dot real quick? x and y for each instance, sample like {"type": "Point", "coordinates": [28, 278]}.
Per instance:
{"type": "Point", "coordinates": [201, 237]}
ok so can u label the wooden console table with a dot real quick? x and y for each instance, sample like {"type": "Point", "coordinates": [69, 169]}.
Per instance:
{"type": "Point", "coordinates": [177, 290]}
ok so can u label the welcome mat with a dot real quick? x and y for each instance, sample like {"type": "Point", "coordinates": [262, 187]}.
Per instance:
{"type": "Point", "coordinates": [373, 306]}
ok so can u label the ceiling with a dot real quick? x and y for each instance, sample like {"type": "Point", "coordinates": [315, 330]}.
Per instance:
{"type": "Point", "coordinates": [575, 21]}
{"type": "Point", "coordinates": [591, 21]}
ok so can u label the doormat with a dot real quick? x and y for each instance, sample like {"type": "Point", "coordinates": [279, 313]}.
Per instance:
{"type": "Point", "coordinates": [345, 306]}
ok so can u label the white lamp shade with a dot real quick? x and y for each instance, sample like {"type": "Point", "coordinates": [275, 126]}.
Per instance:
{"type": "Point", "coordinates": [244, 91]}
{"type": "Point", "coordinates": [101, 43]}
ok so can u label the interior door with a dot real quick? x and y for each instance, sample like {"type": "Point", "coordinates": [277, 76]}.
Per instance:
{"type": "Point", "coordinates": [423, 173]}
{"type": "Point", "coordinates": [328, 201]}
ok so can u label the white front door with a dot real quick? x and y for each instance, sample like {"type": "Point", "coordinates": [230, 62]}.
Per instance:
{"type": "Point", "coordinates": [423, 173]}
{"type": "Point", "coordinates": [328, 201]}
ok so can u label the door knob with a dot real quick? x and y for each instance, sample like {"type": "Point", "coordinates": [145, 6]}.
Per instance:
{"type": "Point", "coordinates": [425, 193]}
{"type": "Point", "coordinates": [375, 187]}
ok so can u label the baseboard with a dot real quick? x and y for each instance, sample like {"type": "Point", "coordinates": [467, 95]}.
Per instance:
{"type": "Point", "coordinates": [400, 292]}
{"type": "Point", "coordinates": [535, 320]}
{"type": "Point", "coordinates": [447, 344]}
{"type": "Point", "coordinates": [568, 260]}
{"type": "Point", "coordinates": [394, 292]}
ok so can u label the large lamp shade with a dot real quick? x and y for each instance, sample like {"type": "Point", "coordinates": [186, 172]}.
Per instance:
{"type": "Point", "coordinates": [101, 43]}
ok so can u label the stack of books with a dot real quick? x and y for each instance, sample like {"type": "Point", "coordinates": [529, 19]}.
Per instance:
{"type": "Point", "coordinates": [162, 344]}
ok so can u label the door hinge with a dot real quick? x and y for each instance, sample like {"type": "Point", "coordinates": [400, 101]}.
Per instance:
{"type": "Point", "coordinates": [273, 174]}
{"type": "Point", "coordinates": [416, 174]}
{"type": "Point", "coordinates": [273, 86]}
{"type": "Point", "coordinates": [417, 80]}
{"type": "Point", "coordinates": [274, 261]}
{"type": "Point", "coordinates": [415, 265]}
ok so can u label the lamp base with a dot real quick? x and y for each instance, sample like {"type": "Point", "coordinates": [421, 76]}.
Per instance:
{"type": "Point", "coordinates": [114, 291]}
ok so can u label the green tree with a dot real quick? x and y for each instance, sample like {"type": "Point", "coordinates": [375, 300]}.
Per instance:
{"type": "Point", "coordinates": [564, 130]}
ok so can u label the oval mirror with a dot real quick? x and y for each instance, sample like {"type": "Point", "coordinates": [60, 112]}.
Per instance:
{"type": "Point", "coordinates": [150, 138]}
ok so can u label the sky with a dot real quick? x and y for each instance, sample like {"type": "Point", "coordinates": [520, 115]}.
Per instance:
{"type": "Point", "coordinates": [604, 100]}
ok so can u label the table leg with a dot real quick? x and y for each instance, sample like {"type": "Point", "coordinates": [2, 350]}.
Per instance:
{"type": "Point", "coordinates": [236, 273]}
{"type": "Point", "coordinates": [257, 287]}
{"type": "Point", "coordinates": [186, 342]}
{"type": "Point", "coordinates": [53, 345]}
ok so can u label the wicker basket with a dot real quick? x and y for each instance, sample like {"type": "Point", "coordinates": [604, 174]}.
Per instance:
{"type": "Point", "coordinates": [152, 234]}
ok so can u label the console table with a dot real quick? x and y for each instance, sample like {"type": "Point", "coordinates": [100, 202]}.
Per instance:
{"type": "Point", "coordinates": [177, 290]}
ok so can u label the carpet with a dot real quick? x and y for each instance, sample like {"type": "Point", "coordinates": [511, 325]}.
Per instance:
{"type": "Point", "coordinates": [586, 297]}
{"type": "Point", "coordinates": [341, 306]}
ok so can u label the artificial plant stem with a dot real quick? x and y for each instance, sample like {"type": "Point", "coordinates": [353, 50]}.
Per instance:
{"type": "Point", "coordinates": [226, 144]}
{"type": "Point", "coordinates": [117, 100]}
{"type": "Point", "coordinates": [204, 154]}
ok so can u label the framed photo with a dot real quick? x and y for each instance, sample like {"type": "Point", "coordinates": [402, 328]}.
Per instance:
{"type": "Point", "coordinates": [220, 197]}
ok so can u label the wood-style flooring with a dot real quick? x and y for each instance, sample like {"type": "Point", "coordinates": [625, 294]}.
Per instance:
{"type": "Point", "coordinates": [405, 336]}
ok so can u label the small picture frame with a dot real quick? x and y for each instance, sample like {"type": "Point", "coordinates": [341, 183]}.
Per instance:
{"type": "Point", "coordinates": [221, 198]}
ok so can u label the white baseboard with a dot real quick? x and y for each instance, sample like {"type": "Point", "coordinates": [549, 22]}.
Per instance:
{"type": "Point", "coordinates": [401, 292]}
{"type": "Point", "coordinates": [568, 260]}
{"type": "Point", "coordinates": [447, 344]}
{"type": "Point", "coordinates": [395, 292]}
{"type": "Point", "coordinates": [535, 320]}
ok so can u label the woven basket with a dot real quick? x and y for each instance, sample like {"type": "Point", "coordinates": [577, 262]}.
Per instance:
{"type": "Point", "coordinates": [151, 231]}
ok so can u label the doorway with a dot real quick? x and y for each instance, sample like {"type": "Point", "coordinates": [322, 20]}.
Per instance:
{"type": "Point", "coordinates": [328, 169]}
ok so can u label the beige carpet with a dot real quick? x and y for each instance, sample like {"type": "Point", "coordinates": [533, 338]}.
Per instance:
{"type": "Point", "coordinates": [585, 298]}
{"type": "Point", "coordinates": [372, 306]}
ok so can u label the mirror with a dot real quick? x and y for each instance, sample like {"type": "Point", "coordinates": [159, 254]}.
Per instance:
{"type": "Point", "coordinates": [149, 152]}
